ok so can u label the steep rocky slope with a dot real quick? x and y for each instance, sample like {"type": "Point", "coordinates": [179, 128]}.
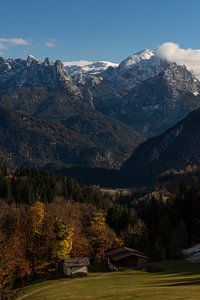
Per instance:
{"type": "Point", "coordinates": [159, 102]}
{"type": "Point", "coordinates": [175, 149]}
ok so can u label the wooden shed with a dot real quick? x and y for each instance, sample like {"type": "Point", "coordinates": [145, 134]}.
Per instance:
{"type": "Point", "coordinates": [75, 266]}
{"type": "Point", "coordinates": [125, 257]}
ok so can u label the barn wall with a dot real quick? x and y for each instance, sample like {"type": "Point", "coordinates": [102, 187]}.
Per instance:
{"type": "Point", "coordinates": [131, 262]}
{"type": "Point", "coordinates": [73, 270]}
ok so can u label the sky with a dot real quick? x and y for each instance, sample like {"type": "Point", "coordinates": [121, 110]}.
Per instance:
{"type": "Point", "coordinates": [96, 29]}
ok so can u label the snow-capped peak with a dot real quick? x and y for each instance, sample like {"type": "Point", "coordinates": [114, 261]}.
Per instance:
{"type": "Point", "coordinates": [31, 58]}
{"type": "Point", "coordinates": [137, 57]}
{"type": "Point", "coordinates": [100, 66]}
{"type": "Point", "coordinates": [144, 54]}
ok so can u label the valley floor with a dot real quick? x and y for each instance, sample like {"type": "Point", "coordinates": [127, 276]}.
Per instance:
{"type": "Point", "coordinates": [169, 280]}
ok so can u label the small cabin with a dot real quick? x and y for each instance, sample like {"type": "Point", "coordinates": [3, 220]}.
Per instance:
{"type": "Point", "coordinates": [125, 257]}
{"type": "Point", "coordinates": [192, 253]}
{"type": "Point", "coordinates": [75, 266]}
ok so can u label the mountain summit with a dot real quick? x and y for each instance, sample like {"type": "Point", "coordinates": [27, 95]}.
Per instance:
{"type": "Point", "coordinates": [145, 54]}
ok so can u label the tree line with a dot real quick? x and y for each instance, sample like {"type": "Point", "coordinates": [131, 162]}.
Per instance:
{"type": "Point", "coordinates": [45, 218]}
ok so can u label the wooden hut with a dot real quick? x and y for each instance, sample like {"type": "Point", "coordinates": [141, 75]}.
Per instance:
{"type": "Point", "coordinates": [75, 266]}
{"type": "Point", "coordinates": [125, 257]}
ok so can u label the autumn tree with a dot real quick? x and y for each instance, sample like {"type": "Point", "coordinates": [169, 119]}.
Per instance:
{"type": "Point", "coordinates": [81, 247]}
{"type": "Point", "coordinates": [35, 239]}
{"type": "Point", "coordinates": [14, 266]}
{"type": "Point", "coordinates": [62, 244]}
{"type": "Point", "coordinates": [101, 237]}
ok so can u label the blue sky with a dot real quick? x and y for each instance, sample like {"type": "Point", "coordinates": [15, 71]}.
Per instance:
{"type": "Point", "coordinates": [95, 29]}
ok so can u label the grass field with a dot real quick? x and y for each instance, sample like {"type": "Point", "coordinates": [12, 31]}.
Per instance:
{"type": "Point", "coordinates": [171, 280]}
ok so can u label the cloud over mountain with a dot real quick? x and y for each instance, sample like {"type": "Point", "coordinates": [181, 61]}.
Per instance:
{"type": "Point", "coordinates": [188, 57]}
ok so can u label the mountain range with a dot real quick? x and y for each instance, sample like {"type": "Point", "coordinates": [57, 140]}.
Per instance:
{"type": "Point", "coordinates": [98, 114]}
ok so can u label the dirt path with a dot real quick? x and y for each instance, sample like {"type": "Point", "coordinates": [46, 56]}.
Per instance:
{"type": "Point", "coordinates": [52, 285]}
{"type": "Point", "coordinates": [36, 291]}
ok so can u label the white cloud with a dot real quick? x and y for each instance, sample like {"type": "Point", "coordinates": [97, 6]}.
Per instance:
{"type": "Point", "coordinates": [6, 43]}
{"type": "Point", "coordinates": [188, 57]}
{"type": "Point", "coordinates": [50, 44]}
{"type": "Point", "coordinates": [14, 41]}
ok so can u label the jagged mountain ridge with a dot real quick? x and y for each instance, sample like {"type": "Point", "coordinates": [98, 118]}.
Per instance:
{"type": "Point", "coordinates": [135, 69]}
{"type": "Point", "coordinates": [33, 72]}
{"type": "Point", "coordinates": [144, 92]}
{"type": "Point", "coordinates": [44, 91]}
{"type": "Point", "coordinates": [157, 103]}
{"type": "Point", "coordinates": [104, 91]}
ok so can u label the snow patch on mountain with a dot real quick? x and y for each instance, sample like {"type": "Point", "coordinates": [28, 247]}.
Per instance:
{"type": "Point", "coordinates": [88, 67]}
{"type": "Point", "coordinates": [79, 63]}
{"type": "Point", "coordinates": [31, 59]}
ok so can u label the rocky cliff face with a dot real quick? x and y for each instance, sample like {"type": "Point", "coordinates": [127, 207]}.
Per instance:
{"type": "Point", "coordinates": [135, 69]}
{"type": "Point", "coordinates": [159, 102]}
{"type": "Point", "coordinates": [145, 92]}
{"type": "Point", "coordinates": [32, 72]}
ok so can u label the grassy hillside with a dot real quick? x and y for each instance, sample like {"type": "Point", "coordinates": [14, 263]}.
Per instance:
{"type": "Point", "coordinates": [171, 280]}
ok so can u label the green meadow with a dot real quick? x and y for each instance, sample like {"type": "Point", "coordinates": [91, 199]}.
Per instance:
{"type": "Point", "coordinates": [164, 280]}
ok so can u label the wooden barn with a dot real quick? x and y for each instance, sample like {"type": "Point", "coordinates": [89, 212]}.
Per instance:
{"type": "Point", "coordinates": [75, 266]}
{"type": "Point", "coordinates": [124, 257]}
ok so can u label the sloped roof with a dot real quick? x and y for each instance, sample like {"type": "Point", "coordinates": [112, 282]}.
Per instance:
{"type": "Point", "coordinates": [123, 252]}
{"type": "Point", "coordinates": [76, 262]}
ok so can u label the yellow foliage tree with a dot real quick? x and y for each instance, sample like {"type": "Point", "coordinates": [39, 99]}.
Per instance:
{"type": "Point", "coordinates": [37, 213]}
{"type": "Point", "coordinates": [62, 244]}
{"type": "Point", "coordinates": [36, 235]}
